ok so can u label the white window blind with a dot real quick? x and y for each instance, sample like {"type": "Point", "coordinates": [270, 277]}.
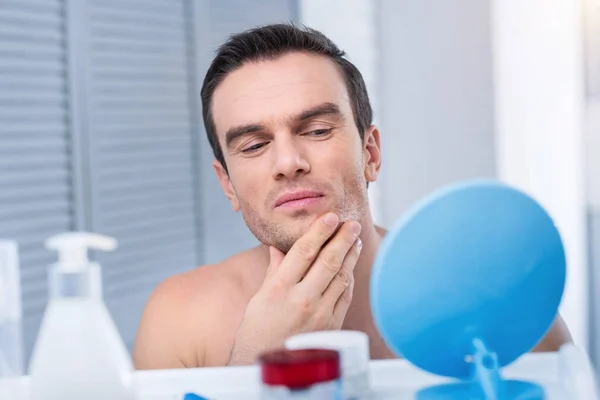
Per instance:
{"type": "Point", "coordinates": [36, 198]}
{"type": "Point", "coordinates": [142, 151]}
{"type": "Point", "coordinates": [100, 130]}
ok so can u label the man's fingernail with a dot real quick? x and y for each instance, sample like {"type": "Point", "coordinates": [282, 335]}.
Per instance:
{"type": "Point", "coordinates": [331, 219]}
{"type": "Point", "coordinates": [358, 243]}
{"type": "Point", "coordinates": [355, 226]}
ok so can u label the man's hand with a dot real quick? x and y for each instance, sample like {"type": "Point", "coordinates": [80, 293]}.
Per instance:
{"type": "Point", "coordinates": [308, 289]}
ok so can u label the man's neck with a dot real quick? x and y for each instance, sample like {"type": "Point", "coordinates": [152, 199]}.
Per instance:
{"type": "Point", "coordinates": [359, 316]}
{"type": "Point", "coordinates": [371, 236]}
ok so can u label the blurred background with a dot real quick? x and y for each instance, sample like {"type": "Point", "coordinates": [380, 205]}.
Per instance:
{"type": "Point", "coordinates": [101, 129]}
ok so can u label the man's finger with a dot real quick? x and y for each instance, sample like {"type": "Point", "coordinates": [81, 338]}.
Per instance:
{"type": "Point", "coordinates": [306, 249]}
{"type": "Point", "coordinates": [341, 307]}
{"type": "Point", "coordinates": [344, 280]}
{"type": "Point", "coordinates": [343, 301]}
{"type": "Point", "coordinates": [276, 256]}
{"type": "Point", "coordinates": [328, 266]}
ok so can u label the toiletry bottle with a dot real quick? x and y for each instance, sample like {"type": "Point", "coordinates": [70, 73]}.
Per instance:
{"type": "Point", "coordinates": [353, 347]}
{"type": "Point", "coordinates": [306, 374]}
{"type": "Point", "coordinates": [79, 353]}
{"type": "Point", "coordinates": [11, 343]}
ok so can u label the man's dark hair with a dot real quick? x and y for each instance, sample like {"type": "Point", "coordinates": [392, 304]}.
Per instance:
{"type": "Point", "coordinates": [270, 42]}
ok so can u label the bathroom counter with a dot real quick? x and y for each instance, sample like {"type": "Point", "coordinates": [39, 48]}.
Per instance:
{"type": "Point", "coordinates": [565, 375]}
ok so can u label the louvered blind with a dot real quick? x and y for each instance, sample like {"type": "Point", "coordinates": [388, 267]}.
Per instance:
{"type": "Point", "coordinates": [35, 175]}
{"type": "Point", "coordinates": [142, 148]}
{"type": "Point", "coordinates": [125, 147]}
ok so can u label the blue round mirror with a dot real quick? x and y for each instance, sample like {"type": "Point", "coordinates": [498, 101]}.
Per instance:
{"type": "Point", "coordinates": [476, 260]}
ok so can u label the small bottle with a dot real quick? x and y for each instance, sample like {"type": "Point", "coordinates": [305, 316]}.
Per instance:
{"type": "Point", "coordinates": [79, 353]}
{"type": "Point", "coordinates": [353, 347]}
{"type": "Point", "coordinates": [11, 344]}
{"type": "Point", "coordinates": [307, 374]}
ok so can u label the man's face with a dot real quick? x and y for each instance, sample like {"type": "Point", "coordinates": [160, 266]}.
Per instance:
{"type": "Point", "coordinates": [291, 146]}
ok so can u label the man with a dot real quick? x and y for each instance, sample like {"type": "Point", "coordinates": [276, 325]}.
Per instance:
{"type": "Point", "coordinates": [290, 125]}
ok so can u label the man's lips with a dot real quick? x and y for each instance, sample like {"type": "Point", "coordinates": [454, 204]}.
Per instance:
{"type": "Point", "coordinates": [297, 198]}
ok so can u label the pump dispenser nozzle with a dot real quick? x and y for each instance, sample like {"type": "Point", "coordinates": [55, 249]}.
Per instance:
{"type": "Point", "coordinates": [73, 247]}
{"type": "Point", "coordinates": [74, 274]}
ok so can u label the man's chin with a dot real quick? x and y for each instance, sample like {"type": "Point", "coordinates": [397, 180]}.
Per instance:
{"type": "Point", "coordinates": [294, 230]}
{"type": "Point", "coordinates": [288, 235]}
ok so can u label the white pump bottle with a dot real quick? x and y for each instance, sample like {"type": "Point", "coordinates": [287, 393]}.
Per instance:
{"type": "Point", "coordinates": [79, 353]}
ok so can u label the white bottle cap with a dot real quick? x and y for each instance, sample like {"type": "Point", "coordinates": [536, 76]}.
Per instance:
{"type": "Point", "coordinates": [74, 274]}
{"type": "Point", "coordinates": [354, 353]}
{"type": "Point", "coordinates": [73, 248]}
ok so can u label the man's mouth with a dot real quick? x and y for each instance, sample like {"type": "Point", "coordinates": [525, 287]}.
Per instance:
{"type": "Point", "coordinates": [298, 199]}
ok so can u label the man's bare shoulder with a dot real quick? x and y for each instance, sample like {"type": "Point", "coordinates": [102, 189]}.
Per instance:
{"type": "Point", "coordinates": [189, 309]}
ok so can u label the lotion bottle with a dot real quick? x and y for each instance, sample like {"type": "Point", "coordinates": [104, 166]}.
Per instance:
{"type": "Point", "coordinates": [79, 353]}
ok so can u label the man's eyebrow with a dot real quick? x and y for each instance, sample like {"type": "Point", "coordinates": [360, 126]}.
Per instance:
{"type": "Point", "coordinates": [321, 109]}
{"type": "Point", "coordinates": [236, 132]}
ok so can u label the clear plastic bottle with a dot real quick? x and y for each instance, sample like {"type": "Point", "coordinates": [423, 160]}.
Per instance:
{"type": "Point", "coordinates": [79, 353]}
{"type": "Point", "coordinates": [11, 344]}
{"type": "Point", "coordinates": [306, 374]}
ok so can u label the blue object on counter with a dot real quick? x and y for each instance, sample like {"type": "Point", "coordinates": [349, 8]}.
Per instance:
{"type": "Point", "coordinates": [193, 396]}
{"type": "Point", "coordinates": [469, 280]}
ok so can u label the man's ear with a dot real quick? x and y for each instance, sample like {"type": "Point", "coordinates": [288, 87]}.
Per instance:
{"type": "Point", "coordinates": [226, 185]}
{"type": "Point", "coordinates": [372, 153]}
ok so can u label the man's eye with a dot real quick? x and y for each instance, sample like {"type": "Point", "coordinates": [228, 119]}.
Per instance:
{"type": "Point", "coordinates": [252, 148]}
{"type": "Point", "coordinates": [320, 132]}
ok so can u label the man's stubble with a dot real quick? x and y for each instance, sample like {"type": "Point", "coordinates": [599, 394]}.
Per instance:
{"type": "Point", "coordinates": [351, 204]}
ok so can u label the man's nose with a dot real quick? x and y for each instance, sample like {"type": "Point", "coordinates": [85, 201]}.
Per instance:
{"type": "Point", "coordinates": [289, 161]}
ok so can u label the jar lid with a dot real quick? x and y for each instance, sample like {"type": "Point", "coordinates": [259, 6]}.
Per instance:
{"type": "Point", "coordinates": [352, 345]}
{"type": "Point", "coordinates": [299, 368]}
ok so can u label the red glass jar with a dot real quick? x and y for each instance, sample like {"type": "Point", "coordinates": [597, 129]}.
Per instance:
{"type": "Point", "coordinates": [306, 374]}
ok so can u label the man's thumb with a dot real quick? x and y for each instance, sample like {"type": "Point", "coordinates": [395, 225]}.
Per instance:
{"type": "Point", "coordinates": [275, 258]}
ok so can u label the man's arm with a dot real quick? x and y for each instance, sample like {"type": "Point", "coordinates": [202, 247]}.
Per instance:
{"type": "Point", "coordinates": [555, 338]}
